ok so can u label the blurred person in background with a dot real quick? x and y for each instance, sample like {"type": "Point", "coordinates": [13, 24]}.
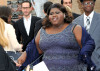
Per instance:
{"type": "Point", "coordinates": [68, 3]}
{"type": "Point", "coordinates": [38, 24]}
{"type": "Point", "coordinates": [38, 7]}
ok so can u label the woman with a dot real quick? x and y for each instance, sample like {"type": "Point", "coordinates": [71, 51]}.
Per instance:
{"type": "Point", "coordinates": [61, 41]}
{"type": "Point", "coordinates": [8, 38]}
{"type": "Point", "coordinates": [7, 11]}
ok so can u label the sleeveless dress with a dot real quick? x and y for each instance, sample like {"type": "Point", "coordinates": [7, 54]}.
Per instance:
{"type": "Point", "coordinates": [61, 50]}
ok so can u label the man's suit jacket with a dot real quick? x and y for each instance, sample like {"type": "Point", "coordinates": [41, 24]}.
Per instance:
{"type": "Point", "coordinates": [75, 15]}
{"type": "Point", "coordinates": [21, 31]}
{"type": "Point", "coordinates": [95, 34]}
{"type": "Point", "coordinates": [38, 25]}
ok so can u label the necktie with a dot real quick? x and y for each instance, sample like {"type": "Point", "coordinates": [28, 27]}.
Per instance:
{"type": "Point", "coordinates": [87, 24]}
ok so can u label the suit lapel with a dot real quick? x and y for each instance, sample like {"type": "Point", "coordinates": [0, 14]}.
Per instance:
{"type": "Point", "coordinates": [94, 23]}
{"type": "Point", "coordinates": [82, 20]}
{"type": "Point", "coordinates": [23, 27]}
{"type": "Point", "coordinates": [31, 26]}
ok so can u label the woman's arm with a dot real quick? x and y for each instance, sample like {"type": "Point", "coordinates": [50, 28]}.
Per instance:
{"type": "Point", "coordinates": [12, 38]}
{"type": "Point", "coordinates": [87, 43]}
{"type": "Point", "coordinates": [37, 42]}
{"type": "Point", "coordinates": [78, 34]}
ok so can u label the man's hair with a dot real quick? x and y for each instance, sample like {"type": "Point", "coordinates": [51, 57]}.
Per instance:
{"type": "Point", "coordinates": [87, 0]}
{"type": "Point", "coordinates": [26, 2]}
{"type": "Point", "coordinates": [62, 1]}
{"type": "Point", "coordinates": [46, 6]}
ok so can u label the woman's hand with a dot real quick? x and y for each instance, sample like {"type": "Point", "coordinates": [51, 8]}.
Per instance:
{"type": "Point", "coordinates": [17, 64]}
{"type": "Point", "coordinates": [22, 58]}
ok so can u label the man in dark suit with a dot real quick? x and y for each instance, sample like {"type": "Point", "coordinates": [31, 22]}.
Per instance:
{"type": "Point", "coordinates": [69, 4]}
{"type": "Point", "coordinates": [93, 27]}
{"type": "Point", "coordinates": [25, 26]}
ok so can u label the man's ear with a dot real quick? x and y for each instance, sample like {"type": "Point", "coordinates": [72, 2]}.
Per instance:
{"type": "Point", "coordinates": [44, 13]}
{"type": "Point", "coordinates": [32, 8]}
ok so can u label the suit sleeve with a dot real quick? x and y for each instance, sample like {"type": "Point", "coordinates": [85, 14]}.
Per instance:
{"type": "Point", "coordinates": [18, 35]}
{"type": "Point", "coordinates": [38, 25]}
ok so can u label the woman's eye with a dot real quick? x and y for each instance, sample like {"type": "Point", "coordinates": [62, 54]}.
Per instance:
{"type": "Point", "coordinates": [51, 14]}
{"type": "Point", "coordinates": [57, 12]}
{"type": "Point", "coordinates": [54, 13]}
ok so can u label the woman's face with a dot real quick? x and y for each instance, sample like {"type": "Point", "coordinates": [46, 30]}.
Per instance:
{"type": "Point", "coordinates": [56, 17]}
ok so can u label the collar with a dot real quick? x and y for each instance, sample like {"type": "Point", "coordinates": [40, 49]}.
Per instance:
{"type": "Point", "coordinates": [90, 15]}
{"type": "Point", "coordinates": [28, 18]}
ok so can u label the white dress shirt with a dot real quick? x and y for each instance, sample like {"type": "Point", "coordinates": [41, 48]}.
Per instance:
{"type": "Point", "coordinates": [27, 24]}
{"type": "Point", "coordinates": [90, 19]}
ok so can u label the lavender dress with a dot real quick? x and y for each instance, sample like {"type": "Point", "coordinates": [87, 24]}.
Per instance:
{"type": "Point", "coordinates": [61, 50]}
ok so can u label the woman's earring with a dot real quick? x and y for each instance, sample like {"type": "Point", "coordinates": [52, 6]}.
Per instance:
{"type": "Point", "coordinates": [64, 16]}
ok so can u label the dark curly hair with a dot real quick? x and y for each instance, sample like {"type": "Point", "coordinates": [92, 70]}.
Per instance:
{"type": "Point", "coordinates": [68, 19]}
{"type": "Point", "coordinates": [87, 0]}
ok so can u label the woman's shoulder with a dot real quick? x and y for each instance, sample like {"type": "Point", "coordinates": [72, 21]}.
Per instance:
{"type": "Point", "coordinates": [76, 28]}
{"type": "Point", "coordinates": [8, 26]}
{"type": "Point", "coordinates": [76, 25]}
